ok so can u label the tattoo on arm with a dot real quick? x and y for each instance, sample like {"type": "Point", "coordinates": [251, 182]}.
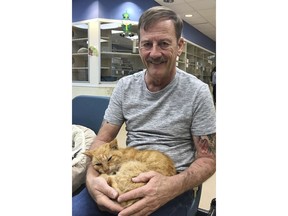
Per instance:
{"type": "Point", "coordinates": [207, 144]}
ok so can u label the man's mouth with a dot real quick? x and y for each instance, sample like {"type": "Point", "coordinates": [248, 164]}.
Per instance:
{"type": "Point", "coordinates": [156, 61]}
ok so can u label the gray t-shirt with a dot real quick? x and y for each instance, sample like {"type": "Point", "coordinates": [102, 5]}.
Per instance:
{"type": "Point", "coordinates": [163, 120]}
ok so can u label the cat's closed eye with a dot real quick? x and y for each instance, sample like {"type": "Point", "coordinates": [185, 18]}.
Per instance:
{"type": "Point", "coordinates": [98, 164]}
{"type": "Point", "coordinates": [109, 158]}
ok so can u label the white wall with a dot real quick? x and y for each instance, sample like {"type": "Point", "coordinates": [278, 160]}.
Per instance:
{"type": "Point", "coordinates": [101, 91]}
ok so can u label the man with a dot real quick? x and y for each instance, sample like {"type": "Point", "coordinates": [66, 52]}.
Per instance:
{"type": "Point", "coordinates": [165, 109]}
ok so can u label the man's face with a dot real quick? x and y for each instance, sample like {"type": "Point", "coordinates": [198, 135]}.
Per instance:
{"type": "Point", "coordinates": [159, 48]}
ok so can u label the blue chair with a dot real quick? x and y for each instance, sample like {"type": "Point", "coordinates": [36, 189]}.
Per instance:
{"type": "Point", "coordinates": [89, 110]}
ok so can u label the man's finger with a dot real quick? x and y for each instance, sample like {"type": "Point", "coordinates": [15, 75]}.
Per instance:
{"type": "Point", "coordinates": [144, 177]}
{"type": "Point", "coordinates": [106, 189]}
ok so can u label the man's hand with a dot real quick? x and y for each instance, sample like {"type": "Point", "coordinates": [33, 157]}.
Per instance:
{"type": "Point", "coordinates": [154, 194]}
{"type": "Point", "coordinates": [103, 194]}
{"type": "Point", "coordinates": [98, 188]}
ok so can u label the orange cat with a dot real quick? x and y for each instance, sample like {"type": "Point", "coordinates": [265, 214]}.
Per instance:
{"type": "Point", "coordinates": [119, 165]}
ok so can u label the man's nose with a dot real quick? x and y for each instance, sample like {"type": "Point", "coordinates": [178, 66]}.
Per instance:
{"type": "Point", "coordinates": [155, 51]}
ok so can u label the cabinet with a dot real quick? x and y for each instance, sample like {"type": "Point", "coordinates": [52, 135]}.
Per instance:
{"type": "Point", "coordinates": [197, 61]}
{"type": "Point", "coordinates": [80, 69]}
{"type": "Point", "coordinates": [118, 55]}
{"type": "Point", "coordinates": [119, 51]}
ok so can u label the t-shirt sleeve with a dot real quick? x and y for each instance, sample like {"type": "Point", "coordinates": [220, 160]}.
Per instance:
{"type": "Point", "coordinates": [204, 115]}
{"type": "Point", "coordinates": [114, 112]}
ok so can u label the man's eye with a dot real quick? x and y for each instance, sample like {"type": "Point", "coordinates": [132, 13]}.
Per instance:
{"type": "Point", "coordinates": [147, 45]}
{"type": "Point", "coordinates": [164, 45]}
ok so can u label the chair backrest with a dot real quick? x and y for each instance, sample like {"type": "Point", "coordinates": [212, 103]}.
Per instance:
{"type": "Point", "coordinates": [89, 110]}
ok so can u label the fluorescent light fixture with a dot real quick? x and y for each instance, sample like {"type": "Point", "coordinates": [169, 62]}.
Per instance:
{"type": "Point", "coordinates": [188, 15]}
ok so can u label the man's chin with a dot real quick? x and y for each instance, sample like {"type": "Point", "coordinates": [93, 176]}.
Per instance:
{"type": "Point", "coordinates": [160, 66]}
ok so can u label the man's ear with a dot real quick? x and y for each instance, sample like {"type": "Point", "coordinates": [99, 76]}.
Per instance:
{"type": "Point", "coordinates": [181, 45]}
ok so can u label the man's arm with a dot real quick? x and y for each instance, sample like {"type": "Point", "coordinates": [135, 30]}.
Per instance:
{"type": "Point", "coordinates": [161, 189]}
{"type": "Point", "coordinates": [98, 188]}
{"type": "Point", "coordinates": [200, 170]}
{"type": "Point", "coordinates": [107, 133]}
{"type": "Point", "coordinates": [204, 165]}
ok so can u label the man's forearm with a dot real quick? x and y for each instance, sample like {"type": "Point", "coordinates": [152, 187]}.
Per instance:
{"type": "Point", "coordinates": [107, 133]}
{"type": "Point", "coordinates": [198, 172]}
{"type": "Point", "coordinates": [97, 142]}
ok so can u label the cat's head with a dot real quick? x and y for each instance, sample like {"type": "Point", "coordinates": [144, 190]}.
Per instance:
{"type": "Point", "coordinates": [106, 158]}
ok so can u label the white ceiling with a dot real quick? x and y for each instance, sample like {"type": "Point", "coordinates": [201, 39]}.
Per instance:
{"type": "Point", "coordinates": [203, 11]}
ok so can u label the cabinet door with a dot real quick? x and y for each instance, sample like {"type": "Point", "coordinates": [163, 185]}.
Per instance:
{"type": "Point", "coordinates": [80, 68]}
{"type": "Point", "coordinates": [119, 51]}
{"type": "Point", "coordinates": [199, 62]}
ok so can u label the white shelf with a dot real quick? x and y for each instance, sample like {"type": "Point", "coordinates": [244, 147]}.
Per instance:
{"type": "Point", "coordinates": [118, 56]}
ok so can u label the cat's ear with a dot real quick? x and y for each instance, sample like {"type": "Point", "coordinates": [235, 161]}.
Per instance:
{"type": "Point", "coordinates": [113, 144]}
{"type": "Point", "coordinates": [88, 153]}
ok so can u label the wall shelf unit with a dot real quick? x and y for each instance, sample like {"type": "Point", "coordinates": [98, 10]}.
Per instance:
{"type": "Point", "coordinates": [80, 69]}
{"type": "Point", "coordinates": [118, 56]}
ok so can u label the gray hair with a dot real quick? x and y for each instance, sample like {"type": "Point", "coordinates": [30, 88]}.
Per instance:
{"type": "Point", "coordinates": [160, 13]}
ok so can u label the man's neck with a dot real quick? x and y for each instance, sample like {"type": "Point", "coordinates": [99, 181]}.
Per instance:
{"type": "Point", "coordinates": [154, 84]}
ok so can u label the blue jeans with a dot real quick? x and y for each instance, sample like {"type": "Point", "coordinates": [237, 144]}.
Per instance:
{"type": "Point", "coordinates": [84, 205]}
